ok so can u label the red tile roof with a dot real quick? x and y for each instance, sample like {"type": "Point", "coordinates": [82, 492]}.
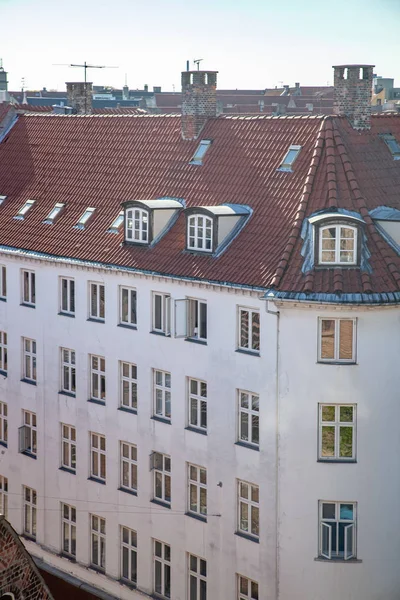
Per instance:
{"type": "Point", "coordinates": [103, 161]}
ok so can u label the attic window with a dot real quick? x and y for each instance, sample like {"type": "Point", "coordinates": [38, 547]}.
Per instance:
{"type": "Point", "coordinates": [2, 198]}
{"type": "Point", "coordinates": [337, 245]}
{"type": "Point", "coordinates": [392, 144]}
{"type": "Point", "coordinates": [24, 209]}
{"type": "Point", "coordinates": [202, 148]}
{"type": "Point", "coordinates": [289, 159]}
{"type": "Point", "coordinates": [200, 233]}
{"type": "Point", "coordinates": [116, 224]}
{"type": "Point", "coordinates": [137, 226]}
{"type": "Point", "coordinates": [84, 218]}
{"type": "Point", "coordinates": [49, 220]}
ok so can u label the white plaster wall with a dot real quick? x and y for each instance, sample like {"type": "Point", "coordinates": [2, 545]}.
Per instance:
{"type": "Point", "coordinates": [217, 363]}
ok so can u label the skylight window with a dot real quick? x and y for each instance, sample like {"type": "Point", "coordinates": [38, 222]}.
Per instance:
{"type": "Point", "coordinates": [24, 209]}
{"type": "Point", "coordinates": [200, 152]}
{"type": "Point", "coordinates": [49, 220]}
{"type": "Point", "coordinates": [116, 224]}
{"type": "Point", "coordinates": [290, 157]}
{"type": "Point", "coordinates": [84, 218]}
{"type": "Point", "coordinates": [2, 198]}
{"type": "Point", "coordinates": [392, 144]}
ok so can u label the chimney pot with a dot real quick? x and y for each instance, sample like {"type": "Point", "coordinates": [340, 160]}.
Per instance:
{"type": "Point", "coordinates": [199, 101]}
{"type": "Point", "coordinates": [352, 93]}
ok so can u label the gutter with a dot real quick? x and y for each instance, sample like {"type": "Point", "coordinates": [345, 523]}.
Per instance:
{"type": "Point", "coordinates": [321, 298]}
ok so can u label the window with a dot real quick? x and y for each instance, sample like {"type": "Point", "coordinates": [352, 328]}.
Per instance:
{"type": "Point", "coordinates": [53, 214]}
{"type": "Point", "coordinates": [337, 428]}
{"type": "Point", "coordinates": [28, 288]}
{"type": "Point", "coordinates": [290, 157]}
{"type": "Point", "coordinates": [198, 404]}
{"type": "Point", "coordinates": [392, 144]}
{"type": "Point", "coordinates": [248, 509]}
{"type": "Point", "coordinates": [197, 497]}
{"type": "Point", "coordinates": [249, 418]}
{"type": "Point", "coordinates": [3, 282]}
{"type": "Point", "coordinates": [3, 424]}
{"type": "Point", "coordinates": [197, 578]}
{"type": "Point", "coordinates": [67, 296]}
{"type": "Point", "coordinates": [337, 530]}
{"type": "Point", "coordinates": [30, 501]}
{"type": "Point", "coordinates": [68, 529]}
{"type": "Point", "coordinates": [247, 589]}
{"type": "Point", "coordinates": [84, 218]}
{"type": "Point", "coordinates": [249, 330]}
{"type": "Point", "coordinates": [137, 226]}
{"type": "Point", "coordinates": [3, 352]}
{"type": "Point", "coordinates": [3, 496]}
{"type": "Point", "coordinates": [129, 555]}
{"type": "Point", "coordinates": [337, 340]}
{"type": "Point", "coordinates": [128, 376]}
{"type": "Point", "coordinates": [201, 150]}
{"type": "Point", "coordinates": [98, 457]}
{"type": "Point", "coordinates": [191, 319]}
{"type": "Point", "coordinates": [162, 313]}
{"type": "Point", "coordinates": [68, 447]}
{"type": "Point", "coordinates": [128, 466]}
{"type": "Point", "coordinates": [338, 245]}
{"type": "Point", "coordinates": [162, 394]}
{"type": "Point", "coordinates": [116, 224]}
{"type": "Point", "coordinates": [98, 378]}
{"type": "Point", "coordinates": [98, 542]}
{"type": "Point", "coordinates": [200, 233]}
{"type": "Point", "coordinates": [127, 306]}
{"type": "Point", "coordinates": [161, 465]}
{"type": "Point", "coordinates": [97, 301]}
{"type": "Point", "coordinates": [28, 434]}
{"type": "Point", "coordinates": [24, 209]}
{"type": "Point", "coordinates": [29, 360]}
{"type": "Point", "coordinates": [162, 569]}
{"type": "Point", "coordinates": [68, 371]}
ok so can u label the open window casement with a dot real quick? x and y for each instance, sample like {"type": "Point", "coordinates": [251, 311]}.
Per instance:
{"type": "Point", "coordinates": [24, 434]}
{"type": "Point", "coordinates": [156, 461]}
{"type": "Point", "coordinates": [326, 540]}
{"type": "Point", "coordinates": [349, 541]}
{"type": "Point", "coordinates": [181, 318]}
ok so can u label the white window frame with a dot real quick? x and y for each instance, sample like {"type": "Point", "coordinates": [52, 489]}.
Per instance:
{"type": "Point", "coordinates": [164, 562]}
{"type": "Point", "coordinates": [97, 374]}
{"type": "Point", "coordinates": [251, 344]}
{"type": "Point", "coordinates": [68, 447]}
{"type": "Point", "coordinates": [162, 395]}
{"type": "Point", "coordinates": [246, 594]}
{"type": "Point", "coordinates": [54, 213]}
{"type": "Point", "coordinates": [286, 165]}
{"type": "Point", "coordinates": [28, 291]}
{"type": "Point", "coordinates": [200, 230]}
{"type": "Point", "coordinates": [128, 549]}
{"type": "Point", "coordinates": [128, 467]}
{"type": "Point", "coordinates": [116, 224]}
{"type": "Point", "coordinates": [350, 532]}
{"type": "Point", "coordinates": [68, 529]}
{"type": "Point", "coordinates": [197, 158]}
{"type": "Point", "coordinates": [197, 405]}
{"type": "Point", "coordinates": [197, 485]}
{"type": "Point", "coordinates": [3, 352]}
{"type": "Point", "coordinates": [131, 299]}
{"type": "Point", "coordinates": [137, 225]}
{"type": "Point", "coordinates": [24, 209]}
{"type": "Point", "coordinates": [29, 496]}
{"type": "Point", "coordinates": [337, 425]}
{"type": "Point", "coordinates": [336, 358]}
{"type": "Point", "coordinates": [253, 418]}
{"type": "Point", "coordinates": [128, 383]}
{"type": "Point", "coordinates": [196, 576]}
{"type": "Point", "coordinates": [187, 313]}
{"type": "Point", "coordinates": [28, 433]}
{"type": "Point", "coordinates": [161, 467]}
{"type": "Point", "coordinates": [97, 306]}
{"type": "Point", "coordinates": [67, 300]}
{"type": "Point", "coordinates": [338, 238]}
{"type": "Point", "coordinates": [98, 536]}
{"type": "Point", "coordinates": [29, 364]}
{"type": "Point", "coordinates": [68, 371]}
{"type": "Point", "coordinates": [3, 424]}
{"type": "Point", "coordinates": [98, 456]}
{"type": "Point", "coordinates": [252, 507]}
{"type": "Point", "coordinates": [81, 224]}
{"type": "Point", "coordinates": [165, 313]}
{"type": "Point", "coordinates": [4, 496]}
{"type": "Point", "coordinates": [3, 282]}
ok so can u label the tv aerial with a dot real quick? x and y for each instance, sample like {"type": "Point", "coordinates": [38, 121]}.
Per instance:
{"type": "Point", "coordinates": [85, 66]}
{"type": "Point", "coordinates": [197, 62]}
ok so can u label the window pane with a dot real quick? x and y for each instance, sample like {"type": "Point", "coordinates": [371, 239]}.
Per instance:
{"type": "Point", "coordinates": [244, 329]}
{"type": "Point", "coordinates": [203, 590]}
{"type": "Point", "coordinates": [328, 510]}
{"type": "Point", "coordinates": [254, 520]}
{"type": "Point", "coordinates": [256, 331]}
{"type": "Point", "coordinates": [346, 414]}
{"type": "Point", "coordinates": [125, 563]}
{"type": "Point", "coordinates": [346, 339]}
{"type": "Point", "coordinates": [346, 442]}
{"type": "Point", "coordinates": [244, 426]}
{"type": "Point", "coordinates": [203, 320]}
{"type": "Point", "coordinates": [193, 588]}
{"type": "Point", "coordinates": [124, 305]}
{"type": "Point", "coordinates": [157, 311]}
{"type": "Point", "coordinates": [328, 413]}
{"type": "Point", "coordinates": [328, 441]}
{"type": "Point", "coordinates": [327, 339]}
{"type": "Point", "coordinates": [346, 512]}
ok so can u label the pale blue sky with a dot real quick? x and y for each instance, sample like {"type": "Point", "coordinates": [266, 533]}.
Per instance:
{"type": "Point", "coordinates": [252, 43]}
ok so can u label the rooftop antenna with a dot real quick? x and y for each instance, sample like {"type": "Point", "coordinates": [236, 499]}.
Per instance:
{"type": "Point", "coordinates": [85, 66]}
{"type": "Point", "coordinates": [197, 62]}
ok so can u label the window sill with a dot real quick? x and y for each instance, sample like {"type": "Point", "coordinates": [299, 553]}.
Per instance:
{"type": "Point", "coordinates": [161, 503]}
{"type": "Point", "coordinates": [64, 314]}
{"type": "Point", "coordinates": [161, 333]}
{"type": "Point", "coordinates": [246, 445]}
{"type": "Point", "coordinates": [28, 305]}
{"type": "Point", "coordinates": [246, 536]}
{"type": "Point", "coordinates": [201, 431]}
{"type": "Point", "coordinates": [129, 584]}
{"type": "Point", "coordinates": [249, 352]}
{"type": "Point", "coordinates": [97, 569]}
{"type": "Point", "coordinates": [96, 480]}
{"type": "Point", "coordinates": [132, 411]}
{"type": "Point", "coordinates": [196, 516]}
{"type": "Point", "coordinates": [3, 373]}
{"type": "Point", "coordinates": [3, 299]}
{"type": "Point", "coordinates": [68, 557]}
{"type": "Point", "coordinates": [342, 461]}
{"type": "Point", "coordinates": [27, 536]}
{"type": "Point", "coordinates": [161, 419]}
{"type": "Point", "coordinates": [29, 454]}
{"type": "Point", "coordinates": [28, 381]}
{"type": "Point", "coordinates": [69, 394]}
{"type": "Point", "coordinates": [341, 363]}
{"type": "Point", "coordinates": [96, 320]}
{"type": "Point", "coordinates": [126, 491]}
{"type": "Point", "coordinates": [94, 401]}
{"type": "Point", "coordinates": [127, 326]}
{"type": "Point", "coordinates": [337, 560]}
{"type": "Point", "coordinates": [4, 444]}
{"type": "Point", "coordinates": [196, 341]}
{"type": "Point", "coordinates": [67, 470]}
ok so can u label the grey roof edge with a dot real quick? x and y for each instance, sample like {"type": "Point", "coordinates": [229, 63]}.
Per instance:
{"type": "Point", "coordinates": [382, 298]}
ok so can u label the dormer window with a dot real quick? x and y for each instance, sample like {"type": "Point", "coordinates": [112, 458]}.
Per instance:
{"type": "Point", "coordinates": [24, 209]}
{"type": "Point", "coordinates": [338, 245]}
{"type": "Point", "coordinates": [392, 144]}
{"type": "Point", "coordinates": [147, 221]}
{"type": "Point", "coordinates": [290, 157]}
{"type": "Point", "coordinates": [49, 220]}
{"type": "Point", "coordinates": [201, 150]}
{"type": "Point", "coordinates": [81, 224]}
{"type": "Point", "coordinates": [200, 231]}
{"type": "Point", "coordinates": [116, 224]}
{"type": "Point", "coordinates": [137, 226]}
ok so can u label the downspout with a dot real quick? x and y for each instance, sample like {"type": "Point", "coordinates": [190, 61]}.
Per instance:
{"type": "Point", "coordinates": [276, 313]}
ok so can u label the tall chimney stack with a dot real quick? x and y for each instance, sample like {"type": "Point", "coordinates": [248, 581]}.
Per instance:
{"type": "Point", "coordinates": [80, 96]}
{"type": "Point", "coordinates": [352, 94]}
{"type": "Point", "coordinates": [199, 101]}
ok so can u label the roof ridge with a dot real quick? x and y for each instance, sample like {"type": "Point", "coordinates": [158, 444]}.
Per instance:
{"type": "Point", "coordinates": [98, 116]}
{"type": "Point", "coordinates": [301, 210]}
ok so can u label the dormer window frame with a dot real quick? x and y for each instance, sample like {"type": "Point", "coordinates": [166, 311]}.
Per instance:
{"type": "Point", "coordinates": [153, 208]}
{"type": "Point", "coordinates": [338, 224]}
{"type": "Point", "coordinates": [148, 230]}
{"type": "Point", "coordinates": [195, 213]}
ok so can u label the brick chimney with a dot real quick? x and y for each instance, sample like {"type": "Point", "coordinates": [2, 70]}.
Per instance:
{"type": "Point", "coordinates": [80, 97]}
{"type": "Point", "coordinates": [352, 94]}
{"type": "Point", "coordinates": [199, 101]}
